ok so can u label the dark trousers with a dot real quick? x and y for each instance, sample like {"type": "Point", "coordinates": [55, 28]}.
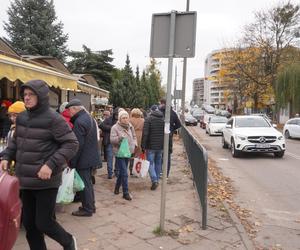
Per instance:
{"type": "Point", "coordinates": [169, 153]}
{"type": "Point", "coordinates": [122, 174]}
{"type": "Point", "coordinates": [38, 219]}
{"type": "Point", "coordinates": [87, 196]}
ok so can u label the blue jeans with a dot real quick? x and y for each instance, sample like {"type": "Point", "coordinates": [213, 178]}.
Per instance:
{"type": "Point", "coordinates": [155, 159]}
{"type": "Point", "coordinates": [122, 174]}
{"type": "Point", "coordinates": [109, 158]}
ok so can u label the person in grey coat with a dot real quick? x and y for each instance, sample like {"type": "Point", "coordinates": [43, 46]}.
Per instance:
{"type": "Point", "coordinates": [40, 147]}
{"type": "Point", "coordinates": [88, 156]}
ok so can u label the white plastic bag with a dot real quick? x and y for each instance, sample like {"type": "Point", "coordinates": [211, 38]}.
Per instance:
{"type": "Point", "coordinates": [140, 167]}
{"type": "Point", "coordinates": [66, 193]}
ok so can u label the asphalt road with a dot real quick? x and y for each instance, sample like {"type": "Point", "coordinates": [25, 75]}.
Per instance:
{"type": "Point", "coordinates": [267, 186]}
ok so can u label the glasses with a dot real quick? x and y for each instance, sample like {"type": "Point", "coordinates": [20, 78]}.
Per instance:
{"type": "Point", "coordinates": [29, 94]}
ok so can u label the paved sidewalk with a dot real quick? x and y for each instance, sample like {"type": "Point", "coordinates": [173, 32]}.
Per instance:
{"type": "Point", "coordinates": [121, 224]}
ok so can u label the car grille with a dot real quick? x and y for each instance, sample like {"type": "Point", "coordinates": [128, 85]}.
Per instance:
{"type": "Point", "coordinates": [271, 149]}
{"type": "Point", "coordinates": [262, 139]}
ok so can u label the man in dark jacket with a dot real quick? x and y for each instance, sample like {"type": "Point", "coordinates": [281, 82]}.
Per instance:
{"type": "Point", "coordinates": [88, 156]}
{"type": "Point", "coordinates": [153, 143]}
{"type": "Point", "coordinates": [41, 145]}
{"type": "Point", "coordinates": [105, 126]}
{"type": "Point", "coordinates": [174, 125]}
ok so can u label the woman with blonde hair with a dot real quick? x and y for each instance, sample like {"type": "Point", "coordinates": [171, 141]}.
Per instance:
{"type": "Point", "coordinates": [137, 121]}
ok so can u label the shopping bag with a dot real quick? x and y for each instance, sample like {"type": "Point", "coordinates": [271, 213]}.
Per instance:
{"type": "Point", "coordinates": [124, 151]}
{"type": "Point", "coordinates": [78, 184]}
{"type": "Point", "coordinates": [140, 166]}
{"type": "Point", "coordinates": [65, 192]}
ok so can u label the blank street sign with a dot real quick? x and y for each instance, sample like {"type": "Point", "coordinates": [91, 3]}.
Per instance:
{"type": "Point", "coordinates": [185, 34]}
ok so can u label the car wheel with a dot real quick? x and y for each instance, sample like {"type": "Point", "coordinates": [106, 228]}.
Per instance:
{"type": "Point", "coordinates": [234, 152]}
{"type": "Point", "coordinates": [224, 144]}
{"type": "Point", "coordinates": [287, 134]}
{"type": "Point", "coordinates": [206, 131]}
{"type": "Point", "coordinates": [279, 154]}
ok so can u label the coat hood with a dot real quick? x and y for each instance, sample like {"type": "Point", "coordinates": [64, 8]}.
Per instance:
{"type": "Point", "coordinates": [41, 89]}
{"type": "Point", "coordinates": [157, 113]}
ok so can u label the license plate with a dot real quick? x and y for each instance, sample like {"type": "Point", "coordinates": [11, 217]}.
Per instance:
{"type": "Point", "coordinates": [262, 145]}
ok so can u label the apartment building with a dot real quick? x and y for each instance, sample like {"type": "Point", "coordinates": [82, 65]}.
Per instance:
{"type": "Point", "coordinates": [198, 91]}
{"type": "Point", "coordinates": [213, 89]}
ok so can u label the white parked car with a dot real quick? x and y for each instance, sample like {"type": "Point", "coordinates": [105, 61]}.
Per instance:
{"type": "Point", "coordinates": [291, 128]}
{"type": "Point", "coordinates": [251, 133]}
{"type": "Point", "coordinates": [215, 125]}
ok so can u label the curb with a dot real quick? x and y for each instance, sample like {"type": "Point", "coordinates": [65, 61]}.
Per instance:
{"type": "Point", "coordinates": [237, 223]}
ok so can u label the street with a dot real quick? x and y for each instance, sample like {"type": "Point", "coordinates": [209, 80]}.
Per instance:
{"type": "Point", "coordinates": [267, 186]}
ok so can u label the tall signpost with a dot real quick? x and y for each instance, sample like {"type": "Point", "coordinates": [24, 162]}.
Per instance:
{"type": "Point", "coordinates": [172, 35]}
{"type": "Point", "coordinates": [184, 76]}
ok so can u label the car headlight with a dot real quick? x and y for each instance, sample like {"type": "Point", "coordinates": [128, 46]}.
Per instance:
{"type": "Point", "coordinates": [240, 137]}
{"type": "Point", "coordinates": [280, 137]}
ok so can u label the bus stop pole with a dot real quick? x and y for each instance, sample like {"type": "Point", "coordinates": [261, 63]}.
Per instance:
{"type": "Point", "coordinates": [184, 77]}
{"type": "Point", "coordinates": [167, 121]}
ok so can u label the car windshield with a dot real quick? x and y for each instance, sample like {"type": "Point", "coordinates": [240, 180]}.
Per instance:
{"type": "Point", "coordinates": [219, 119]}
{"type": "Point", "coordinates": [251, 122]}
{"type": "Point", "coordinates": [189, 116]}
{"type": "Point", "coordinates": [197, 112]}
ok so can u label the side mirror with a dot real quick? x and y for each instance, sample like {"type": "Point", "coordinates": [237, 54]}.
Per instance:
{"type": "Point", "coordinates": [227, 126]}
{"type": "Point", "coordinates": [274, 125]}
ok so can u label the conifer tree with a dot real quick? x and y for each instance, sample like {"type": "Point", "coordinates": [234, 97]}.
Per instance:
{"type": "Point", "coordinates": [33, 28]}
{"type": "Point", "coordinates": [96, 63]}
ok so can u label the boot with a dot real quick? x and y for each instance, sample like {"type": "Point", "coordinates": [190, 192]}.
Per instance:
{"type": "Point", "coordinates": [116, 190]}
{"type": "Point", "coordinates": [127, 197]}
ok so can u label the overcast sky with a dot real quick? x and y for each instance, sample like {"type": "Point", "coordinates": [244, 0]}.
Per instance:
{"type": "Point", "coordinates": [124, 26]}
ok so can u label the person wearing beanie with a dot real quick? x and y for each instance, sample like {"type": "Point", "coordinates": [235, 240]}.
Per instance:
{"type": "Point", "coordinates": [13, 111]}
{"type": "Point", "coordinates": [121, 130]}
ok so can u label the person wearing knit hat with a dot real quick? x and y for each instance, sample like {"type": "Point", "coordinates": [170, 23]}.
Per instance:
{"type": "Point", "coordinates": [17, 107]}
{"type": "Point", "coordinates": [121, 114]}
{"type": "Point", "coordinates": [120, 131]}
{"type": "Point", "coordinates": [13, 111]}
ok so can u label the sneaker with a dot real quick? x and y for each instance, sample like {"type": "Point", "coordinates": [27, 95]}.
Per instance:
{"type": "Point", "coordinates": [127, 197]}
{"type": "Point", "coordinates": [154, 185]}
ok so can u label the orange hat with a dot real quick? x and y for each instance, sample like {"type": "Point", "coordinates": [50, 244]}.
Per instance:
{"type": "Point", "coordinates": [17, 107]}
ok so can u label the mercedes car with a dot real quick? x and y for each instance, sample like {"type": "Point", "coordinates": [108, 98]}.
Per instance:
{"type": "Point", "coordinates": [252, 134]}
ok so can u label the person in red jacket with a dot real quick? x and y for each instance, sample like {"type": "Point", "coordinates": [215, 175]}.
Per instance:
{"type": "Point", "coordinates": [66, 113]}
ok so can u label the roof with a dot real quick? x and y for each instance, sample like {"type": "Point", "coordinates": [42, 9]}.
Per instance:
{"type": "Point", "coordinates": [48, 61]}
{"type": "Point", "coordinates": [6, 48]}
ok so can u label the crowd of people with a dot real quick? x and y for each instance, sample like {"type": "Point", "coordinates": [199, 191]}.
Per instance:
{"type": "Point", "coordinates": [42, 142]}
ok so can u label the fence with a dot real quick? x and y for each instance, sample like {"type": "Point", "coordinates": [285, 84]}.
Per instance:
{"type": "Point", "coordinates": [197, 157]}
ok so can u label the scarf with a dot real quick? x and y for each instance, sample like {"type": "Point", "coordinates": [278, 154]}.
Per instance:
{"type": "Point", "coordinates": [124, 125]}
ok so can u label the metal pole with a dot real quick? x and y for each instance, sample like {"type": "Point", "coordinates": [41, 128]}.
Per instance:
{"type": "Point", "coordinates": [184, 76]}
{"type": "Point", "coordinates": [167, 121]}
{"type": "Point", "coordinates": [175, 86]}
